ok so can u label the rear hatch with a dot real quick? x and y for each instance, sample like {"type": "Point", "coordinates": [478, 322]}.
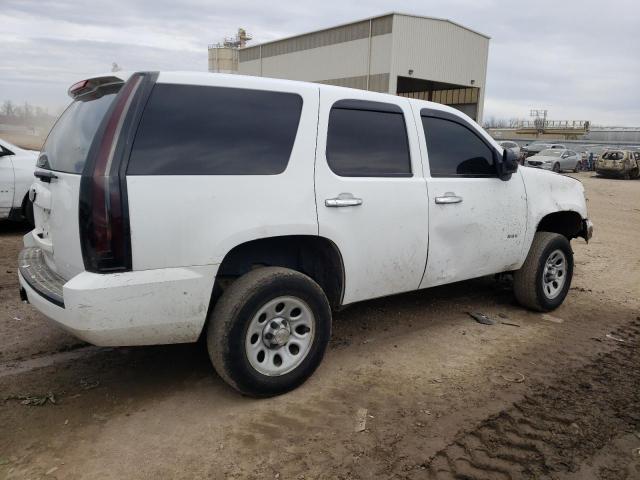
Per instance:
{"type": "Point", "coordinates": [56, 189]}
{"type": "Point", "coordinates": [612, 160]}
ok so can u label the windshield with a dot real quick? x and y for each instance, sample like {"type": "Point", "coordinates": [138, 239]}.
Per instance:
{"type": "Point", "coordinates": [68, 142]}
{"type": "Point", "coordinates": [551, 153]}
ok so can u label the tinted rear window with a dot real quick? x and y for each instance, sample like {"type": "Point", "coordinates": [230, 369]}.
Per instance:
{"type": "Point", "coordinates": [68, 143]}
{"type": "Point", "coordinates": [197, 130]}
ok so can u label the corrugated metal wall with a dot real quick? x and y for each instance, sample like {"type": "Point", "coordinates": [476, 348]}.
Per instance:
{"type": "Point", "coordinates": [377, 83]}
{"type": "Point", "coordinates": [340, 53]}
{"type": "Point", "coordinates": [439, 51]}
{"type": "Point", "coordinates": [435, 50]}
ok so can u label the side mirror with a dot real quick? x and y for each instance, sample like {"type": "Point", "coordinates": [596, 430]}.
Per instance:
{"type": "Point", "coordinates": [508, 165]}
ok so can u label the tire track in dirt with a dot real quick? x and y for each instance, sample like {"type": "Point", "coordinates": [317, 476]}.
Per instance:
{"type": "Point", "coordinates": [560, 424]}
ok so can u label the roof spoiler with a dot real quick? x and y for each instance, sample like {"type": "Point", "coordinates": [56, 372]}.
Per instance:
{"type": "Point", "coordinates": [90, 85]}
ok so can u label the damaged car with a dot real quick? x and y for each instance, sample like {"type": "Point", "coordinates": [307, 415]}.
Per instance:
{"type": "Point", "coordinates": [619, 163]}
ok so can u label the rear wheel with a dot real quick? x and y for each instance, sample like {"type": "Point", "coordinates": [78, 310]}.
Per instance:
{"type": "Point", "coordinates": [578, 167]}
{"type": "Point", "coordinates": [556, 167]}
{"type": "Point", "coordinates": [545, 277]}
{"type": "Point", "coordinates": [269, 331]}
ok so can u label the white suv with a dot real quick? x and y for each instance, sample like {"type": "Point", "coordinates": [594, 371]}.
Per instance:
{"type": "Point", "coordinates": [174, 205]}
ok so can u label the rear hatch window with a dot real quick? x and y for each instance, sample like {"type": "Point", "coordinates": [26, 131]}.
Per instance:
{"type": "Point", "coordinates": [613, 156]}
{"type": "Point", "coordinates": [67, 146]}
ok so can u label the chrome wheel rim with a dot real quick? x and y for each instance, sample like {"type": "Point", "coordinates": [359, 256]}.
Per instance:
{"type": "Point", "coordinates": [280, 336]}
{"type": "Point", "coordinates": [554, 275]}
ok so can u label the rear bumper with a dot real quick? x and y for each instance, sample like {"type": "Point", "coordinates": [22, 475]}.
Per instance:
{"type": "Point", "coordinates": [34, 271]}
{"type": "Point", "coordinates": [617, 171]}
{"type": "Point", "coordinates": [147, 307]}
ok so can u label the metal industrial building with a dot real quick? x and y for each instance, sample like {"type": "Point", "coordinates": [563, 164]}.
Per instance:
{"type": "Point", "coordinates": [409, 55]}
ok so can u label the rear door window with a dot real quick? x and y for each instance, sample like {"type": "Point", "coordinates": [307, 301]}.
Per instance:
{"type": "Point", "coordinates": [200, 130]}
{"type": "Point", "coordinates": [367, 139]}
{"type": "Point", "coordinates": [67, 145]}
{"type": "Point", "coordinates": [454, 150]}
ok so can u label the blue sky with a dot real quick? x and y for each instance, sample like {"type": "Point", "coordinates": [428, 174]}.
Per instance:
{"type": "Point", "coordinates": [578, 59]}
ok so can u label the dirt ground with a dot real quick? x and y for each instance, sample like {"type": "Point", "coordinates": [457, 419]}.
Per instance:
{"type": "Point", "coordinates": [534, 396]}
{"type": "Point", "coordinates": [24, 140]}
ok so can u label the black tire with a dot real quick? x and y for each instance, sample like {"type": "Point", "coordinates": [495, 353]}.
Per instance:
{"type": "Point", "coordinates": [528, 284]}
{"type": "Point", "coordinates": [232, 315]}
{"type": "Point", "coordinates": [578, 168]}
{"type": "Point", "coordinates": [27, 211]}
{"type": "Point", "coordinates": [556, 167]}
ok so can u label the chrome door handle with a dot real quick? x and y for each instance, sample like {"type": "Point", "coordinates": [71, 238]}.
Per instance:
{"type": "Point", "coordinates": [447, 198]}
{"type": "Point", "coordinates": [343, 200]}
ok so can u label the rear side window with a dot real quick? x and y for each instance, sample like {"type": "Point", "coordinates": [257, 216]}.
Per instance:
{"type": "Point", "coordinates": [198, 130]}
{"type": "Point", "coordinates": [68, 142]}
{"type": "Point", "coordinates": [455, 150]}
{"type": "Point", "coordinates": [368, 143]}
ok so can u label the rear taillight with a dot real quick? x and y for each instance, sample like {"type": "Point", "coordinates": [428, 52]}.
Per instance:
{"type": "Point", "coordinates": [104, 222]}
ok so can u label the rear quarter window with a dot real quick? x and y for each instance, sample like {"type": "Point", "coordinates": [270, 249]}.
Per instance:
{"type": "Point", "coordinates": [200, 130]}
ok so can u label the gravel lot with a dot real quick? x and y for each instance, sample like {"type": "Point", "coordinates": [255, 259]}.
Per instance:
{"type": "Point", "coordinates": [533, 396]}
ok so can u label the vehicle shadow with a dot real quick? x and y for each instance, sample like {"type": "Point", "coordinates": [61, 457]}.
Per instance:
{"type": "Point", "coordinates": [148, 373]}
{"type": "Point", "coordinates": [10, 227]}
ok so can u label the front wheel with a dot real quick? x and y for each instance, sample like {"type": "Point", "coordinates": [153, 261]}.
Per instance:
{"type": "Point", "coordinates": [543, 281]}
{"type": "Point", "coordinates": [27, 211]}
{"type": "Point", "coordinates": [269, 331]}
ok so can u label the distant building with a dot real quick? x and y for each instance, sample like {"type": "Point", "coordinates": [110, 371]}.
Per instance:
{"type": "Point", "coordinates": [409, 55]}
{"type": "Point", "coordinates": [223, 57]}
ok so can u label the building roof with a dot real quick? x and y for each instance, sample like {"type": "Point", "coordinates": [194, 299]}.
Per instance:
{"type": "Point", "coordinates": [365, 20]}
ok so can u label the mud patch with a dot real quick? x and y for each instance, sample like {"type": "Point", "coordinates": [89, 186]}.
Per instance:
{"type": "Point", "coordinates": [556, 427]}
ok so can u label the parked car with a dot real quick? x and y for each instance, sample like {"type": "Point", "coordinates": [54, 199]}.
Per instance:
{"type": "Point", "coordinates": [513, 146]}
{"type": "Point", "coordinates": [556, 159]}
{"type": "Point", "coordinates": [597, 151]}
{"type": "Point", "coordinates": [619, 163]}
{"type": "Point", "coordinates": [16, 174]}
{"type": "Point", "coordinates": [170, 206]}
{"type": "Point", "coordinates": [533, 148]}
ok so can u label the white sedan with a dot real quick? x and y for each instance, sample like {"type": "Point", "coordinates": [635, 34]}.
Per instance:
{"type": "Point", "coordinates": [16, 176]}
{"type": "Point", "coordinates": [556, 159]}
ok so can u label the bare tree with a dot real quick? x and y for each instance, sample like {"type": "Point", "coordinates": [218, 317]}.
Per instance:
{"type": "Point", "coordinates": [7, 108]}
{"type": "Point", "coordinates": [493, 122]}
